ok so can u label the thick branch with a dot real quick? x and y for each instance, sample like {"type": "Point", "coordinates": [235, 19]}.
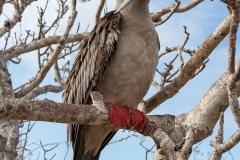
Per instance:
{"type": "Point", "coordinates": [233, 76]}
{"type": "Point", "coordinates": [158, 127]}
{"type": "Point", "coordinates": [9, 133]}
{"type": "Point", "coordinates": [232, 73]}
{"type": "Point", "coordinates": [50, 111]}
{"type": "Point", "coordinates": [47, 110]}
{"type": "Point", "coordinates": [205, 115]}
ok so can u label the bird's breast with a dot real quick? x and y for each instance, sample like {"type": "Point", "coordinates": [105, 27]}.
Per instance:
{"type": "Point", "coordinates": [130, 71]}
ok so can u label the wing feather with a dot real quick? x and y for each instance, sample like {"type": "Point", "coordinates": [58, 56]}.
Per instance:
{"type": "Point", "coordinates": [90, 63]}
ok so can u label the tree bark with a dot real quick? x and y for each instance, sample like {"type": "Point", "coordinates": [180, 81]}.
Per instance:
{"type": "Point", "coordinates": [9, 129]}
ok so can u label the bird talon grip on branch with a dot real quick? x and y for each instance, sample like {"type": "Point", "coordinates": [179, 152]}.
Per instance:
{"type": "Point", "coordinates": [125, 117]}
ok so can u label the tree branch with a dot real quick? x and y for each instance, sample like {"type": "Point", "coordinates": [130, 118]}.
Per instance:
{"type": "Point", "coordinates": [19, 9]}
{"type": "Point", "coordinates": [158, 127]}
{"type": "Point", "coordinates": [2, 2]}
{"type": "Point", "coordinates": [230, 143]}
{"type": "Point", "coordinates": [9, 130]}
{"type": "Point", "coordinates": [233, 76]}
{"type": "Point", "coordinates": [190, 68]}
{"type": "Point", "coordinates": [216, 155]}
{"type": "Point", "coordinates": [173, 10]}
{"type": "Point", "coordinates": [24, 48]}
{"type": "Point", "coordinates": [232, 73]}
{"type": "Point", "coordinates": [99, 11]}
{"type": "Point", "coordinates": [43, 90]}
{"type": "Point", "coordinates": [204, 116]}
{"type": "Point", "coordinates": [156, 17]}
{"type": "Point", "coordinates": [53, 58]}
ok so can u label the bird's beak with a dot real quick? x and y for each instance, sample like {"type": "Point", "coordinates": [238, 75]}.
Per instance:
{"type": "Point", "coordinates": [123, 5]}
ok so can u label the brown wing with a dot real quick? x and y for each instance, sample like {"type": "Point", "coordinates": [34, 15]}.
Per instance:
{"type": "Point", "coordinates": [90, 64]}
{"type": "Point", "coordinates": [92, 59]}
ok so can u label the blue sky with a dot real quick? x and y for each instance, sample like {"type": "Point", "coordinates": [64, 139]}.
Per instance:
{"type": "Point", "coordinates": [200, 22]}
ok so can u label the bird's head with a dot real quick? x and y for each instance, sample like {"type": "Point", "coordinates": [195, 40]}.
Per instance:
{"type": "Point", "coordinates": [123, 5]}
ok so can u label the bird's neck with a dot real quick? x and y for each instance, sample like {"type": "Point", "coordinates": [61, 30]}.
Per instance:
{"type": "Point", "coordinates": [137, 8]}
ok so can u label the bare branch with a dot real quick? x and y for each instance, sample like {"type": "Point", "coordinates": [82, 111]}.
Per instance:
{"type": "Point", "coordinates": [53, 58]}
{"type": "Point", "coordinates": [96, 114]}
{"type": "Point", "coordinates": [232, 76]}
{"type": "Point", "coordinates": [99, 11]}
{"type": "Point", "coordinates": [1, 5]}
{"type": "Point", "coordinates": [190, 68]}
{"type": "Point", "coordinates": [219, 147]}
{"type": "Point", "coordinates": [156, 17]}
{"type": "Point", "coordinates": [19, 9]}
{"type": "Point", "coordinates": [164, 144]}
{"type": "Point", "coordinates": [187, 147]}
{"type": "Point", "coordinates": [9, 130]}
{"type": "Point", "coordinates": [148, 150]}
{"type": "Point", "coordinates": [38, 146]}
{"type": "Point", "coordinates": [171, 49]}
{"type": "Point", "coordinates": [209, 109]}
{"type": "Point", "coordinates": [169, 16]}
{"type": "Point", "coordinates": [230, 143]}
{"type": "Point", "coordinates": [43, 90]}
{"type": "Point", "coordinates": [47, 110]}
{"type": "Point", "coordinates": [47, 150]}
{"type": "Point", "coordinates": [23, 140]}
{"type": "Point", "coordinates": [24, 48]}
{"type": "Point", "coordinates": [57, 74]}
{"type": "Point", "coordinates": [57, 78]}
{"type": "Point", "coordinates": [218, 139]}
{"type": "Point", "coordinates": [167, 76]}
{"type": "Point", "coordinates": [62, 10]}
{"type": "Point", "coordinates": [134, 134]}
{"type": "Point", "coordinates": [155, 84]}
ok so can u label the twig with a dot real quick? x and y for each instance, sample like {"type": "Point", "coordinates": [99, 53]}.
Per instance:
{"type": "Point", "coordinates": [43, 90]}
{"type": "Point", "coordinates": [99, 11]}
{"type": "Point", "coordinates": [190, 68]}
{"type": "Point", "coordinates": [169, 16]}
{"type": "Point", "coordinates": [156, 17]}
{"type": "Point", "coordinates": [53, 57]}
{"type": "Point", "coordinates": [125, 138]}
{"type": "Point", "coordinates": [9, 24]}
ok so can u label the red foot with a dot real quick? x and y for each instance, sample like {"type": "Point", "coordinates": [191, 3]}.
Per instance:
{"type": "Point", "coordinates": [122, 117]}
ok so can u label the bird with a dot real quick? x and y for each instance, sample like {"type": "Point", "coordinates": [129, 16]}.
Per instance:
{"type": "Point", "coordinates": [119, 60]}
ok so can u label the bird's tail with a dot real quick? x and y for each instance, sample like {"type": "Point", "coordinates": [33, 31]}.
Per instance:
{"type": "Point", "coordinates": [90, 141]}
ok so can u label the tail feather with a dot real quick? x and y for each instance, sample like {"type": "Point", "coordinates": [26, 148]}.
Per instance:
{"type": "Point", "coordinates": [90, 141]}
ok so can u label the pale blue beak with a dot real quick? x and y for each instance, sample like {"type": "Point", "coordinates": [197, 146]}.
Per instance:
{"type": "Point", "coordinates": [123, 5]}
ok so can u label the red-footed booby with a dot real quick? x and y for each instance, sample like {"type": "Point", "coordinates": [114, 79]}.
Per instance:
{"type": "Point", "coordinates": [119, 60]}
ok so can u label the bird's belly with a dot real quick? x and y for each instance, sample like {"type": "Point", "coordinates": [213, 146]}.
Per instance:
{"type": "Point", "coordinates": [129, 74]}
